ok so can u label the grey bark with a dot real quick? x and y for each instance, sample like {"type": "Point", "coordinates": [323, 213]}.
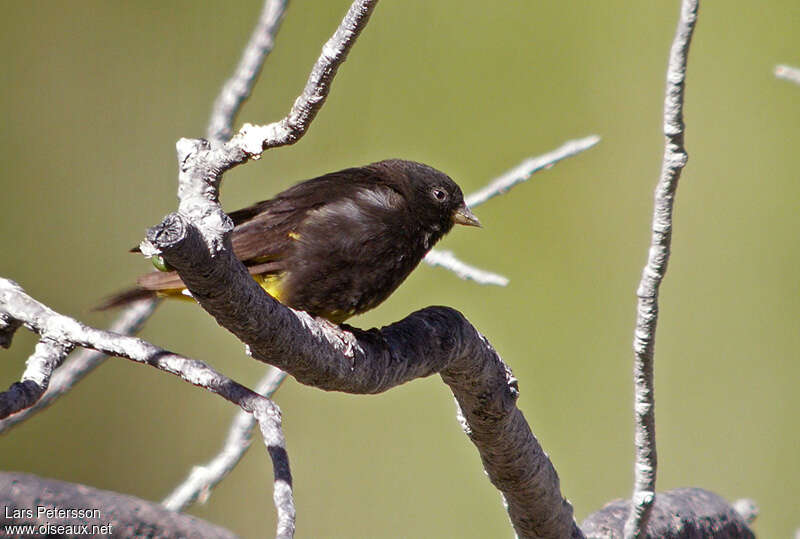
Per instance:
{"type": "Point", "coordinates": [127, 515]}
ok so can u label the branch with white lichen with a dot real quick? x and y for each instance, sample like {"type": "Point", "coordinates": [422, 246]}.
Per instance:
{"type": "Point", "coordinates": [675, 158]}
{"type": "Point", "coordinates": [527, 168]}
{"type": "Point", "coordinates": [203, 478]}
{"type": "Point", "coordinates": [237, 89]}
{"type": "Point", "coordinates": [81, 363]}
{"type": "Point", "coordinates": [499, 186]}
{"type": "Point", "coordinates": [60, 332]}
{"type": "Point", "coordinates": [448, 260]}
{"type": "Point", "coordinates": [252, 140]}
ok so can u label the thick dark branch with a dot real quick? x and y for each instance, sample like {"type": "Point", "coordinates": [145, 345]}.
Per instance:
{"type": "Point", "coordinates": [21, 495]}
{"type": "Point", "coordinates": [433, 340]}
{"type": "Point", "coordinates": [644, 339]}
{"type": "Point", "coordinates": [237, 89]}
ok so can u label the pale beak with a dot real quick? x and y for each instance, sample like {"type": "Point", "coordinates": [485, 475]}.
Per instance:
{"type": "Point", "coordinates": [463, 216]}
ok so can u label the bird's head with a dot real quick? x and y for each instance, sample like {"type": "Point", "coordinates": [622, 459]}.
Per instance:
{"type": "Point", "coordinates": [433, 196]}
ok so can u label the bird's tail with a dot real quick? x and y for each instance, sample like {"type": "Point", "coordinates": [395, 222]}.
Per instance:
{"type": "Point", "coordinates": [124, 298]}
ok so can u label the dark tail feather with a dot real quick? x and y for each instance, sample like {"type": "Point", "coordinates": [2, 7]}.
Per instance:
{"type": "Point", "coordinates": [125, 297]}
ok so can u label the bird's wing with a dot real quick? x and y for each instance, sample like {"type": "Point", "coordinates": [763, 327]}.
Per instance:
{"type": "Point", "coordinates": [267, 230]}
{"type": "Point", "coordinates": [160, 280]}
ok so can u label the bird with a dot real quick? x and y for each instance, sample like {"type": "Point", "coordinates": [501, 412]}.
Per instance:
{"type": "Point", "coordinates": [337, 245]}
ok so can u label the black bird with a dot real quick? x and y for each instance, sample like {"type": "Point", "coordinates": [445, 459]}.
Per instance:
{"type": "Point", "coordinates": [340, 244]}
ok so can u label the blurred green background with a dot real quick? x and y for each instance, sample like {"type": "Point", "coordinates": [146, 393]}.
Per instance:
{"type": "Point", "coordinates": [95, 94]}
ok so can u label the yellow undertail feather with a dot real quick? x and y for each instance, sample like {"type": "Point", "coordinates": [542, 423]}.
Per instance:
{"type": "Point", "coordinates": [271, 283]}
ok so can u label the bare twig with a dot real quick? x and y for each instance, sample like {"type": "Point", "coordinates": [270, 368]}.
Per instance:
{"type": "Point", "coordinates": [66, 332]}
{"type": "Point", "coordinates": [204, 478]}
{"type": "Point", "coordinates": [675, 158]}
{"type": "Point", "coordinates": [448, 260]}
{"type": "Point", "coordinates": [252, 140]}
{"type": "Point", "coordinates": [237, 89]}
{"type": "Point", "coordinates": [498, 186]}
{"type": "Point", "coordinates": [792, 74]}
{"type": "Point", "coordinates": [527, 168]}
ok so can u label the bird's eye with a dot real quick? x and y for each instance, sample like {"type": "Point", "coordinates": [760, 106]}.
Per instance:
{"type": "Point", "coordinates": [439, 195]}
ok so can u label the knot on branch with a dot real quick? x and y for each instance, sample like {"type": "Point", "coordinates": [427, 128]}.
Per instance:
{"type": "Point", "coordinates": [169, 233]}
{"type": "Point", "coordinates": [184, 241]}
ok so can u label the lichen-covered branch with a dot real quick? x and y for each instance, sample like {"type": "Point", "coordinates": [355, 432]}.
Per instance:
{"type": "Point", "coordinates": [675, 158]}
{"type": "Point", "coordinates": [237, 89]}
{"type": "Point", "coordinates": [252, 140]}
{"type": "Point", "coordinates": [56, 330]}
{"type": "Point", "coordinates": [447, 260]}
{"type": "Point", "coordinates": [81, 363]}
{"type": "Point", "coordinates": [522, 172]}
{"type": "Point", "coordinates": [498, 186]}
{"type": "Point", "coordinates": [204, 478]}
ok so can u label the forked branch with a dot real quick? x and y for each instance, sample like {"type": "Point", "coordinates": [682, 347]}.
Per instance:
{"type": "Point", "coordinates": [18, 308]}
